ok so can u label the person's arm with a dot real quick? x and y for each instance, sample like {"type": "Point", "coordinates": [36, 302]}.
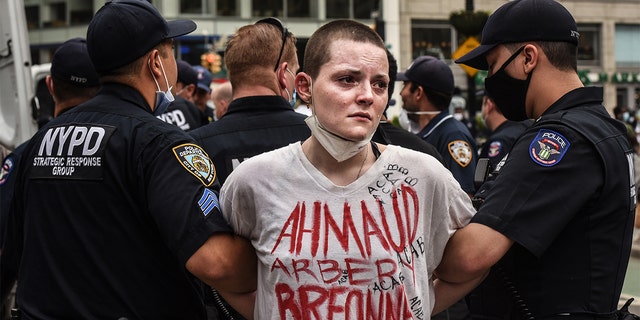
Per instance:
{"type": "Point", "coordinates": [447, 293]}
{"type": "Point", "coordinates": [228, 263]}
{"type": "Point", "coordinates": [470, 253]}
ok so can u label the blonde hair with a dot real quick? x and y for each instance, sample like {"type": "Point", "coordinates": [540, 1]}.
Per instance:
{"type": "Point", "coordinates": [253, 50]}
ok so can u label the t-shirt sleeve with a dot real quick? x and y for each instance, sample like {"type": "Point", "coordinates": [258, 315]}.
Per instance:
{"type": "Point", "coordinates": [543, 184]}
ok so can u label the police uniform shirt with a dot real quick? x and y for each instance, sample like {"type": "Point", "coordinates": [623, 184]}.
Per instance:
{"type": "Point", "coordinates": [456, 145]}
{"type": "Point", "coordinates": [501, 140]}
{"type": "Point", "coordinates": [251, 126]}
{"type": "Point", "coordinates": [182, 113]}
{"type": "Point", "coordinates": [566, 203]}
{"type": "Point", "coordinates": [106, 233]}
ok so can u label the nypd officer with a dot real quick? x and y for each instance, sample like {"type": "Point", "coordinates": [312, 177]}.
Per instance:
{"type": "Point", "coordinates": [426, 94]}
{"type": "Point", "coordinates": [558, 220]}
{"type": "Point", "coordinates": [260, 117]}
{"type": "Point", "coordinates": [72, 80]}
{"type": "Point", "coordinates": [104, 235]}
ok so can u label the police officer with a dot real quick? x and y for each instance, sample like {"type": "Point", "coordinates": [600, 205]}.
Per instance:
{"type": "Point", "coordinates": [560, 214]}
{"type": "Point", "coordinates": [182, 112]}
{"type": "Point", "coordinates": [260, 117]}
{"type": "Point", "coordinates": [388, 133]}
{"type": "Point", "coordinates": [427, 92]}
{"type": "Point", "coordinates": [106, 238]}
{"type": "Point", "coordinates": [72, 80]}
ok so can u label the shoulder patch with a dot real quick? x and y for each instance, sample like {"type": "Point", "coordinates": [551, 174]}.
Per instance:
{"type": "Point", "coordinates": [197, 162]}
{"type": "Point", "coordinates": [548, 148]}
{"type": "Point", "coordinates": [494, 148]}
{"type": "Point", "coordinates": [461, 152]}
{"type": "Point", "coordinates": [6, 169]}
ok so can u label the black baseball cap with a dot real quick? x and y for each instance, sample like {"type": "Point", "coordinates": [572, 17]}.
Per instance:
{"type": "Point", "coordinates": [521, 21]}
{"type": "Point", "coordinates": [429, 72]}
{"type": "Point", "coordinates": [124, 30]}
{"type": "Point", "coordinates": [71, 64]}
{"type": "Point", "coordinates": [186, 73]}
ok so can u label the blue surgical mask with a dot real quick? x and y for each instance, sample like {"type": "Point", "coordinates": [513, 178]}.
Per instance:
{"type": "Point", "coordinates": [292, 97]}
{"type": "Point", "coordinates": [163, 99]}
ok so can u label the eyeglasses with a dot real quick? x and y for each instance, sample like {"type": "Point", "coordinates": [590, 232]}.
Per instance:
{"type": "Point", "coordinates": [278, 24]}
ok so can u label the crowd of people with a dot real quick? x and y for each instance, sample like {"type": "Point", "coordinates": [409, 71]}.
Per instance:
{"type": "Point", "coordinates": [296, 198]}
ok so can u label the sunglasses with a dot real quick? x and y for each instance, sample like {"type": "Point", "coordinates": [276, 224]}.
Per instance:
{"type": "Point", "coordinates": [278, 24]}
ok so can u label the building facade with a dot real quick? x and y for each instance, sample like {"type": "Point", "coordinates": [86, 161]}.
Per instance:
{"type": "Point", "coordinates": [608, 51]}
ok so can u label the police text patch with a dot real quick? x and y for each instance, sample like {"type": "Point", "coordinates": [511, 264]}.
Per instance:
{"type": "Point", "coordinates": [71, 151]}
{"type": "Point", "coordinates": [548, 148]}
{"type": "Point", "coordinates": [196, 161]}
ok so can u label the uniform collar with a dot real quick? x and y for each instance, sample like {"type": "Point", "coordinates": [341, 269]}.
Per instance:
{"type": "Point", "coordinates": [576, 97]}
{"type": "Point", "coordinates": [436, 121]}
{"type": "Point", "coordinates": [258, 103]}
{"type": "Point", "coordinates": [125, 93]}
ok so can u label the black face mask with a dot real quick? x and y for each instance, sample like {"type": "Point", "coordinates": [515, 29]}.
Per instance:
{"type": "Point", "coordinates": [508, 93]}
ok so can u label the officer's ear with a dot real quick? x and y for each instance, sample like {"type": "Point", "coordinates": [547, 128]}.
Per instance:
{"type": "Point", "coordinates": [303, 85]}
{"type": "Point", "coordinates": [154, 64]}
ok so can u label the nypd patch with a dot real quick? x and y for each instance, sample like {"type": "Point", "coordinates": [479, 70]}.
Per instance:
{"type": "Point", "coordinates": [196, 161]}
{"type": "Point", "coordinates": [548, 148]}
{"type": "Point", "coordinates": [460, 151]}
{"type": "Point", "coordinates": [6, 169]}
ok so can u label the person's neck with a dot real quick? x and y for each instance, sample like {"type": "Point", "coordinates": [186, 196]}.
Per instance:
{"type": "Point", "coordinates": [549, 87]}
{"type": "Point", "coordinates": [340, 173]}
{"type": "Point", "coordinates": [250, 91]}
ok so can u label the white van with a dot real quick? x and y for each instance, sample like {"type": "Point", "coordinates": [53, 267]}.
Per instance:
{"type": "Point", "coordinates": [16, 85]}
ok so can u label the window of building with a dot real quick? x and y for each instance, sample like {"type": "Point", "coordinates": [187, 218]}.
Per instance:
{"type": "Point", "coordinates": [627, 46]}
{"type": "Point", "coordinates": [589, 45]}
{"type": "Point", "coordinates": [432, 38]}
{"type": "Point", "coordinates": [356, 9]}
{"type": "Point", "coordinates": [226, 8]}
{"type": "Point", "coordinates": [267, 8]}
{"type": "Point", "coordinates": [193, 6]}
{"type": "Point", "coordinates": [298, 9]}
{"type": "Point", "coordinates": [33, 16]}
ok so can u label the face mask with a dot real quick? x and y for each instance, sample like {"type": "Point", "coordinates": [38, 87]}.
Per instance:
{"type": "Point", "coordinates": [338, 147]}
{"type": "Point", "coordinates": [292, 97]}
{"type": "Point", "coordinates": [163, 99]}
{"type": "Point", "coordinates": [409, 124]}
{"type": "Point", "coordinates": [509, 94]}
{"type": "Point", "coordinates": [458, 116]}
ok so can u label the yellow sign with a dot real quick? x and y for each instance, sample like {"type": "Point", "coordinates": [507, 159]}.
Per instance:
{"type": "Point", "coordinates": [468, 45]}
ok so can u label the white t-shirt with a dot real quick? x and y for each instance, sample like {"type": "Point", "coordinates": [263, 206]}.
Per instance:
{"type": "Point", "coordinates": [361, 251]}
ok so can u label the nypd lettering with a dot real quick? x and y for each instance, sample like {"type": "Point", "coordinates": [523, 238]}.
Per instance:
{"type": "Point", "coordinates": [548, 148]}
{"type": "Point", "coordinates": [175, 117]}
{"type": "Point", "coordinates": [72, 151]}
{"type": "Point", "coordinates": [196, 161]}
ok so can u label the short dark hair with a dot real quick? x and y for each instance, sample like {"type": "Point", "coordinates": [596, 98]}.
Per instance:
{"type": "Point", "coordinates": [562, 55]}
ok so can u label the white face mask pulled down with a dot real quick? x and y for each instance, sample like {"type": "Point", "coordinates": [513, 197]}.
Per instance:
{"type": "Point", "coordinates": [409, 124]}
{"type": "Point", "coordinates": [163, 99]}
{"type": "Point", "coordinates": [338, 147]}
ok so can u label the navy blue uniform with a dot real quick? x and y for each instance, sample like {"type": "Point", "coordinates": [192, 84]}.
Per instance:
{"type": "Point", "coordinates": [251, 126]}
{"type": "Point", "coordinates": [456, 145]}
{"type": "Point", "coordinates": [108, 237]}
{"type": "Point", "coordinates": [501, 140]}
{"type": "Point", "coordinates": [565, 196]}
{"type": "Point", "coordinates": [184, 114]}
